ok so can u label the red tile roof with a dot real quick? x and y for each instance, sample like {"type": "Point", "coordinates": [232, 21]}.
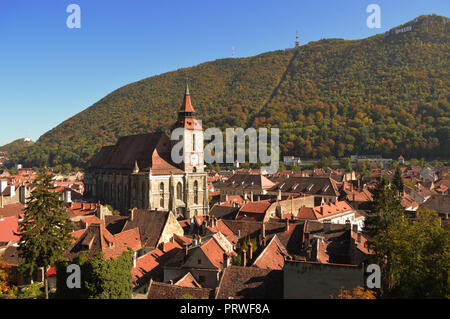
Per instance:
{"type": "Point", "coordinates": [255, 207]}
{"type": "Point", "coordinates": [214, 252]}
{"type": "Point", "coordinates": [188, 280]}
{"type": "Point", "coordinates": [324, 211]}
{"type": "Point", "coordinates": [149, 266]}
{"type": "Point", "coordinates": [12, 210]}
{"type": "Point", "coordinates": [130, 238]}
{"type": "Point", "coordinates": [8, 228]}
{"type": "Point", "coordinates": [272, 257]}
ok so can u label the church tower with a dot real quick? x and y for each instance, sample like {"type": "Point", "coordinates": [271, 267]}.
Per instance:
{"type": "Point", "coordinates": [195, 180]}
{"type": "Point", "coordinates": [192, 136]}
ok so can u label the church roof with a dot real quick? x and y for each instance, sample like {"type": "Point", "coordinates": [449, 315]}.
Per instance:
{"type": "Point", "coordinates": [147, 151]}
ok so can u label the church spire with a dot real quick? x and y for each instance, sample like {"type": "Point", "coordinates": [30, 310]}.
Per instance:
{"type": "Point", "coordinates": [187, 107]}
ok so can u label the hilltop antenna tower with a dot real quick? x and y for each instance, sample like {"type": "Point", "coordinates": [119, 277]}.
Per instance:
{"type": "Point", "coordinates": [232, 51]}
{"type": "Point", "coordinates": [297, 42]}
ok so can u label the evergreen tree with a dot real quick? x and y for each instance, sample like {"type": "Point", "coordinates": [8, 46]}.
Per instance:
{"type": "Point", "coordinates": [397, 181]}
{"type": "Point", "coordinates": [45, 229]}
{"type": "Point", "coordinates": [383, 226]}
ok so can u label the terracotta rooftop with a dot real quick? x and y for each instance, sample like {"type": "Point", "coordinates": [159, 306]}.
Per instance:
{"type": "Point", "coordinates": [150, 224]}
{"type": "Point", "coordinates": [150, 265]}
{"type": "Point", "coordinates": [188, 280]}
{"type": "Point", "coordinates": [159, 290]}
{"type": "Point", "coordinates": [250, 283]}
{"type": "Point", "coordinates": [272, 257]}
{"type": "Point", "coordinates": [307, 185]}
{"type": "Point", "coordinates": [10, 210]}
{"type": "Point", "coordinates": [324, 211]}
{"type": "Point", "coordinates": [8, 228]}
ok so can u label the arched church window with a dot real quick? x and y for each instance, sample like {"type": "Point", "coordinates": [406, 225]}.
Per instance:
{"type": "Point", "coordinates": [193, 142]}
{"type": "Point", "coordinates": [195, 192]}
{"type": "Point", "coordinates": [161, 195]}
{"type": "Point", "coordinates": [179, 191]}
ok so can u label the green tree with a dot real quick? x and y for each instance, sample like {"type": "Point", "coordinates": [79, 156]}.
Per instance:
{"type": "Point", "coordinates": [346, 164]}
{"type": "Point", "coordinates": [100, 278]}
{"type": "Point", "coordinates": [425, 257]}
{"type": "Point", "coordinates": [397, 181]}
{"type": "Point", "coordinates": [45, 229]}
{"type": "Point", "coordinates": [384, 225]}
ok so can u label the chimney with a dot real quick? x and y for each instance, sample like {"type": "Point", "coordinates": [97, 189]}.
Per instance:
{"type": "Point", "coordinates": [132, 214]}
{"type": "Point", "coordinates": [263, 230]}
{"type": "Point", "coordinates": [239, 233]}
{"type": "Point", "coordinates": [186, 250]}
{"type": "Point", "coordinates": [226, 198]}
{"type": "Point", "coordinates": [250, 251]}
{"type": "Point", "coordinates": [225, 260]}
{"type": "Point", "coordinates": [134, 259]}
{"type": "Point", "coordinates": [251, 196]}
{"type": "Point", "coordinates": [279, 194]}
{"type": "Point", "coordinates": [3, 184]}
{"type": "Point", "coordinates": [244, 257]}
{"type": "Point", "coordinates": [68, 197]}
{"type": "Point", "coordinates": [321, 209]}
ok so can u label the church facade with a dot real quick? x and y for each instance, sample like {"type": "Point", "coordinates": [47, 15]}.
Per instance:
{"type": "Point", "coordinates": [138, 171]}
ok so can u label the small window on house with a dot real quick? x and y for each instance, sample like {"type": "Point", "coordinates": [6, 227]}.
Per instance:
{"type": "Point", "coordinates": [199, 261]}
{"type": "Point", "coordinates": [201, 278]}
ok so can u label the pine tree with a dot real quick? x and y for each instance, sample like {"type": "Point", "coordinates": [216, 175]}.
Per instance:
{"type": "Point", "coordinates": [397, 181]}
{"type": "Point", "coordinates": [45, 229]}
{"type": "Point", "coordinates": [384, 225]}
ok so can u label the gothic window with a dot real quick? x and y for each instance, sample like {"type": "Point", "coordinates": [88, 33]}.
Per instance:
{"type": "Point", "coordinates": [179, 191]}
{"type": "Point", "coordinates": [193, 142]}
{"type": "Point", "coordinates": [195, 192]}
{"type": "Point", "coordinates": [161, 195]}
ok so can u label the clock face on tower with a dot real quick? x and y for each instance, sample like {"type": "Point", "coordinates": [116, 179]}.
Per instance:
{"type": "Point", "coordinates": [194, 159]}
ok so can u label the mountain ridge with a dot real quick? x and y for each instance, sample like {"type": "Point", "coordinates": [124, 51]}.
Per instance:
{"type": "Point", "coordinates": [320, 95]}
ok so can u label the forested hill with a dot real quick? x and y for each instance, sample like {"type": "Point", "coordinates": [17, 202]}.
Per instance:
{"type": "Point", "coordinates": [16, 146]}
{"type": "Point", "coordinates": [385, 94]}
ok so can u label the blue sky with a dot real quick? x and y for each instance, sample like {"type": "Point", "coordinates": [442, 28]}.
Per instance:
{"type": "Point", "coordinates": [49, 72]}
